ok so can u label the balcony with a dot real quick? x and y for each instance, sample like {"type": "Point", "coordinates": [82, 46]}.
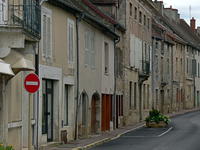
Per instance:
{"type": "Point", "coordinates": [144, 72]}
{"type": "Point", "coordinates": [164, 80]}
{"type": "Point", "coordinates": [25, 16]}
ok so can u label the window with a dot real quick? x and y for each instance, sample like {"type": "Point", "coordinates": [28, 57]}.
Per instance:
{"type": "Point", "coordinates": [135, 13]}
{"type": "Point", "coordinates": [156, 44]}
{"type": "Point", "coordinates": [130, 94]}
{"type": "Point", "coordinates": [46, 34]}
{"type": "Point", "coordinates": [89, 49]}
{"type": "Point", "coordinates": [66, 105]}
{"type": "Point", "coordinates": [156, 99]}
{"type": "Point", "coordinates": [106, 57]}
{"type": "Point", "coordinates": [119, 60]}
{"type": "Point", "coordinates": [70, 41]}
{"type": "Point", "coordinates": [187, 65]}
{"type": "Point", "coordinates": [144, 96]}
{"type": "Point", "coordinates": [131, 9]}
{"type": "Point", "coordinates": [162, 48]}
{"type": "Point", "coordinates": [177, 65]}
{"type": "Point", "coordinates": [140, 17]}
{"type": "Point", "coordinates": [144, 20]}
{"type": "Point", "coordinates": [198, 70]}
{"type": "Point", "coordinates": [148, 23]}
{"type": "Point", "coordinates": [181, 67]}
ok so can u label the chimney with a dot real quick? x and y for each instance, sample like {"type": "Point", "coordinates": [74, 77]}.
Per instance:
{"type": "Point", "coordinates": [193, 24]}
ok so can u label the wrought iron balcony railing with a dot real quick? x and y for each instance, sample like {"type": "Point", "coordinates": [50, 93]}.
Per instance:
{"type": "Point", "coordinates": [26, 16]}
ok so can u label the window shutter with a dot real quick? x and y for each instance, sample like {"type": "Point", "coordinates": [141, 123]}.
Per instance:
{"type": "Point", "coordinates": [71, 43]}
{"type": "Point", "coordinates": [132, 40]}
{"type": "Point", "coordinates": [48, 41]}
{"type": "Point", "coordinates": [87, 52]}
{"type": "Point", "coordinates": [92, 50]}
{"type": "Point", "coordinates": [44, 35]}
{"type": "Point", "coordinates": [70, 39]}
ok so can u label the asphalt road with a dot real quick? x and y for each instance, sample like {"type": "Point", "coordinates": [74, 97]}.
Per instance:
{"type": "Point", "coordinates": [182, 134]}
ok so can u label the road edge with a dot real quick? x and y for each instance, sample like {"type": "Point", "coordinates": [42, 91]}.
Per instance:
{"type": "Point", "coordinates": [135, 128]}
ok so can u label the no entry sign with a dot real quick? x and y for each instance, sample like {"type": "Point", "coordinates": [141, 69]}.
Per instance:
{"type": "Point", "coordinates": [31, 83]}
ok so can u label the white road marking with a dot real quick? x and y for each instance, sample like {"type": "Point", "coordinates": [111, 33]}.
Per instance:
{"type": "Point", "coordinates": [165, 132]}
{"type": "Point", "coordinates": [155, 136]}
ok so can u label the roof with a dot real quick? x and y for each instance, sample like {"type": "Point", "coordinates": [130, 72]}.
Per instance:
{"type": "Point", "coordinates": [104, 2]}
{"type": "Point", "coordinates": [79, 8]}
{"type": "Point", "coordinates": [179, 28]}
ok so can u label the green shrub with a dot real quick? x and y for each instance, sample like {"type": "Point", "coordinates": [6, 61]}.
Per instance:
{"type": "Point", "coordinates": [156, 116]}
{"type": "Point", "coordinates": [2, 147]}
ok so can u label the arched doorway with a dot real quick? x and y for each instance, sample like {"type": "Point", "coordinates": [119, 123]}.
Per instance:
{"type": "Point", "coordinates": [83, 113]}
{"type": "Point", "coordinates": [95, 113]}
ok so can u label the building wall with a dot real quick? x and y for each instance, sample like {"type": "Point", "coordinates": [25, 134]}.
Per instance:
{"type": "Point", "coordinates": [189, 78]}
{"type": "Point", "coordinates": [57, 67]}
{"type": "Point", "coordinates": [93, 79]}
{"type": "Point", "coordinates": [142, 32]}
{"type": "Point", "coordinates": [197, 79]}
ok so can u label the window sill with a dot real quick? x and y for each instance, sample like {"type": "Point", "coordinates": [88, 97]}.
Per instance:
{"type": "Point", "coordinates": [106, 74]}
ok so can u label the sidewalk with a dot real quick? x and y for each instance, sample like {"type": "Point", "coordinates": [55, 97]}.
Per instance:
{"type": "Point", "coordinates": [105, 137]}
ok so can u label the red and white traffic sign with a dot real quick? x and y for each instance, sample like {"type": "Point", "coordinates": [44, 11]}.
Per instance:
{"type": "Point", "coordinates": [31, 83]}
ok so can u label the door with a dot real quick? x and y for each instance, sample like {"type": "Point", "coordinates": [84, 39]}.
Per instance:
{"type": "Point", "coordinates": [162, 101]}
{"type": "Point", "coordinates": [106, 112]}
{"type": "Point", "coordinates": [93, 116]}
{"type": "Point", "coordinates": [117, 111]}
{"type": "Point", "coordinates": [197, 98]}
{"type": "Point", "coordinates": [47, 121]}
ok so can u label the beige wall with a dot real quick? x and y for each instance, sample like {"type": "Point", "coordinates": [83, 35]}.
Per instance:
{"type": "Point", "coordinates": [93, 79]}
{"type": "Point", "coordinates": [58, 69]}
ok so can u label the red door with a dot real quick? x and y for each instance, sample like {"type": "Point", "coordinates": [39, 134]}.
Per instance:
{"type": "Point", "coordinates": [106, 112]}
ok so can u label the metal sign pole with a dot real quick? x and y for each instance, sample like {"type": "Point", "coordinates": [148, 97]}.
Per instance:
{"type": "Point", "coordinates": [29, 123]}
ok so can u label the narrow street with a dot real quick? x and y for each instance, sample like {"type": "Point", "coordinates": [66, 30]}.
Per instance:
{"type": "Point", "coordinates": [183, 133]}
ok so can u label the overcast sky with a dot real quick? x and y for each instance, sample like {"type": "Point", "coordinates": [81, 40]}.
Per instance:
{"type": "Point", "coordinates": [183, 7]}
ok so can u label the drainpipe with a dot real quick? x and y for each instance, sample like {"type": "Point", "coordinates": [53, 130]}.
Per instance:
{"type": "Point", "coordinates": [78, 20]}
{"type": "Point", "coordinates": [140, 100]}
{"type": "Point", "coordinates": [116, 41]}
{"type": "Point", "coordinates": [37, 95]}
{"type": "Point", "coordinates": [5, 112]}
{"type": "Point", "coordinates": [152, 79]}
{"type": "Point", "coordinates": [194, 74]}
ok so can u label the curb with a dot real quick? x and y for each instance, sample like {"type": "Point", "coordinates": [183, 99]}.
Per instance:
{"type": "Point", "coordinates": [106, 139]}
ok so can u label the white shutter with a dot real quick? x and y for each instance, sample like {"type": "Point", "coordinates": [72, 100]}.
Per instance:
{"type": "Point", "coordinates": [87, 49]}
{"type": "Point", "coordinates": [3, 11]}
{"type": "Point", "coordinates": [44, 35]}
{"type": "Point", "coordinates": [49, 37]}
{"type": "Point", "coordinates": [139, 57]}
{"type": "Point", "coordinates": [150, 57]}
{"type": "Point", "coordinates": [70, 41]}
{"type": "Point", "coordinates": [92, 50]}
